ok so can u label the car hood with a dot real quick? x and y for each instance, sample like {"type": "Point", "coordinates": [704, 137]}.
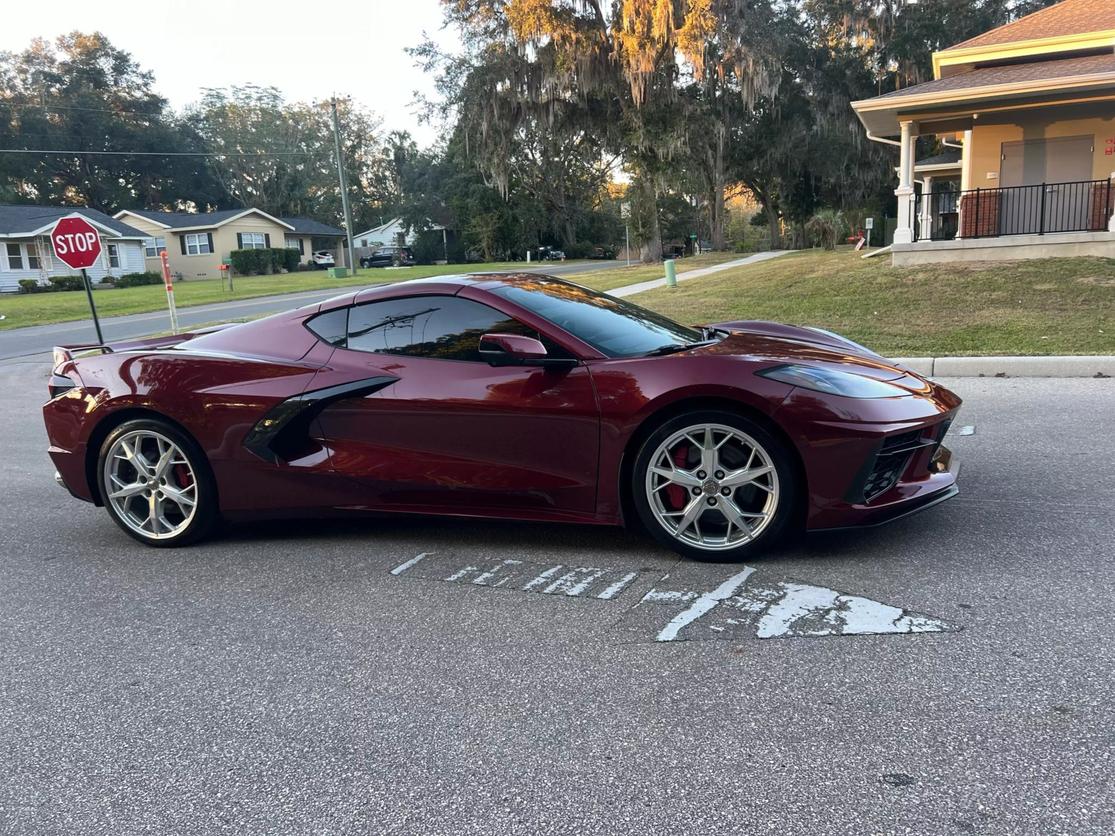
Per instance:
{"type": "Point", "coordinates": [794, 344]}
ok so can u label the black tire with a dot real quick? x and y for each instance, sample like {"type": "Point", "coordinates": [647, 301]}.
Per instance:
{"type": "Point", "coordinates": [205, 513]}
{"type": "Point", "coordinates": [785, 479]}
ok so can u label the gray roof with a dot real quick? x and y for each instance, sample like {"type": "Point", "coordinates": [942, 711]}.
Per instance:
{"type": "Point", "coordinates": [188, 219]}
{"type": "Point", "coordinates": [21, 220]}
{"type": "Point", "coordinates": [308, 226]}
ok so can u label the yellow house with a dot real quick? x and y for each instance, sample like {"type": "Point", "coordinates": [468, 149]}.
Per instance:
{"type": "Point", "coordinates": [1027, 112]}
{"type": "Point", "coordinates": [197, 243]}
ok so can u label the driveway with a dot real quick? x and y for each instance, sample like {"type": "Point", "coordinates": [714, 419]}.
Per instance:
{"type": "Point", "coordinates": [22, 342]}
{"type": "Point", "coordinates": [440, 676]}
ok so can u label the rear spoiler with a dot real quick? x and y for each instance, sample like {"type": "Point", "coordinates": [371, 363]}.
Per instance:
{"type": "Point", "coordinates": [66, 353]}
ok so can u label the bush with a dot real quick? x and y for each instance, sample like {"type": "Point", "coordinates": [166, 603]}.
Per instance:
{"type": "Point", "coordinates": [262, 262]}
{"type": "Point", "coordinates": [137, 279]}
{"type": "Point", "coordinates": [33, 286]}
{"type": "Point", "coordinates": [63, 283]}
{"type": "Point", "coordinates": [826, 228]}
{"type": "Point", "coordinates": [247, 262]}
{"type": "Point", "coordinates": [291, 259]}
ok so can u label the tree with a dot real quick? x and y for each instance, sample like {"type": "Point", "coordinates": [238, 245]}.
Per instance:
{"type": "Point", "coordinates": [81, 93]}
{"type": "Point", "coordinates": [279, 156]}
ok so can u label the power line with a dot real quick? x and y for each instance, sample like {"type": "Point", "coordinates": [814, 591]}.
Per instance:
{"type": "Point", "coordinates": [61, 108]}
{"type": "Point", "coordinates": [79, 152]}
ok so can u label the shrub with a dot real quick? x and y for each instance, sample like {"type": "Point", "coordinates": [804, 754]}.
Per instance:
{"type": "Point", "coordinates": [247, 262]}
{"type": "Point", "coordinates": [290, 259]}
{"type": "Point", "coordinates": [262, 262]}
{"type": "Point", "coordinates": [137, 279]}
{"type": "Point", "coordinates": [66, 283]}
{"type": "Point", "coordinates": [33, 286]}
{"type": "Point", "coordinates": [826, 228]}
{"type": "Point", "coordinates": [578, 250]}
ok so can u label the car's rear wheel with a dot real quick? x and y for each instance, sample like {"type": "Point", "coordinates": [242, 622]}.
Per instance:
{"type": "Point", "coordinates": [156, 483]}
{"type": "Point", "coordinates": [714, 485]}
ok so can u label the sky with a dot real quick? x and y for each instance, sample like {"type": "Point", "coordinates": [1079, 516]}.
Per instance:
{"type": "Point", "coordinates": [309, 51]}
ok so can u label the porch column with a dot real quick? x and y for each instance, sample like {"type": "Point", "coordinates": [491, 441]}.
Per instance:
{"type": "Point", "coordinates": [904, 232]}
{"type": "Point", "coordinates": [927, 207]}
{"type": "Point", "coordinates": [1111, 220]}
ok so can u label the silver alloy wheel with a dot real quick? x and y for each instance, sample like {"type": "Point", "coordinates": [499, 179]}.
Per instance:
{"type": "Point", "coordinates": [712, 486]}
{"type": "Point", "coordinates": [151, 485]}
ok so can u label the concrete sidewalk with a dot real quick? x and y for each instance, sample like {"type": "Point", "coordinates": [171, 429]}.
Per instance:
{"type": "Point", "coordinates": [642, 287]}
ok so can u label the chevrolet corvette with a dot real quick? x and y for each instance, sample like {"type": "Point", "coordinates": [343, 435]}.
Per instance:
{"type": "Point", "coordinates": [517, 396]}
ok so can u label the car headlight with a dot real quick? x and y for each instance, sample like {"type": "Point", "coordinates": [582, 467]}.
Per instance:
{"type": "Point", "coordinates": [832, 382]}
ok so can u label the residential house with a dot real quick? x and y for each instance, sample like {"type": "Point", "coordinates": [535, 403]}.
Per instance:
{"type": "Point", "coordinates": [197, 243]}
{"type": "Point", "coordinates": [1029, 109]}
{"type": "Point", "coordinates": [26, 251]}
{"type": "Point", "coordinates": [394, 233]}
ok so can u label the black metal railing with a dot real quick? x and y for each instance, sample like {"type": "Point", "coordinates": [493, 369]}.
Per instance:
{"type": "Point", "coordinates": [1082, 206]}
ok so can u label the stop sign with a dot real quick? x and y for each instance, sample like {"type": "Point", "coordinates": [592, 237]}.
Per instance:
{"type": "Point", "coordinates": [76, 242]}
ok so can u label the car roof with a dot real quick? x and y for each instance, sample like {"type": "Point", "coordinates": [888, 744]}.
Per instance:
{"type": "Point", "coordinates": [449, 285]}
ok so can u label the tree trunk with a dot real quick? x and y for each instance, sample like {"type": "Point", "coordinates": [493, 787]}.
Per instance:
{"type": "Point", "coordinates": [716, 205]}
{"type": "Point", "coordinates": [650, 251]}
{"type": "Point", "coordinates": [772, 225]}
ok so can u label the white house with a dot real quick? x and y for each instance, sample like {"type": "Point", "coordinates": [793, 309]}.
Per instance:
{"type": "Point", "coordinates": [394, 233]}
{"type": "Point", "coordinates": [26, 252]}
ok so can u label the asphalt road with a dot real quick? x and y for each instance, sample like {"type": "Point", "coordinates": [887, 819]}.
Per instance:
{"type": "Point", "coordinates": [22, 342]}
{"type": "Point", "coordinates": [304, 677]}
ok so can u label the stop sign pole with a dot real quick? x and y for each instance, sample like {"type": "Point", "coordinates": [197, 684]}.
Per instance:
{"type": "Point", "coordinates": [78, 245]}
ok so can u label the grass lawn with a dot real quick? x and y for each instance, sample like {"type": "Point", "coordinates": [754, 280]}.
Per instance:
{"type": "Point", "coordinates": [1052, 306]}
{"type": "Point", "coordinates": [43, 308]}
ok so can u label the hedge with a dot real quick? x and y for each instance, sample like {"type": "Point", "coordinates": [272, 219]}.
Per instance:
{"type": "Point", "coordinates": [137, 279]}
{"type": "Point", "coordinates": [262, 262]}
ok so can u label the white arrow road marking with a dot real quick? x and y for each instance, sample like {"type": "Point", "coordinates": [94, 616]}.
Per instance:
{"type": "Point", "coordinates": [703, 604]}
{"type": "Point", "coordinates": [815, 611]}
{"type": "Point", "coordinates": [784, 608]}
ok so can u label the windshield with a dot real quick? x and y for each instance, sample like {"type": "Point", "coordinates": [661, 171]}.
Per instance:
{"type": "Point", "coordinates": [612, 326]}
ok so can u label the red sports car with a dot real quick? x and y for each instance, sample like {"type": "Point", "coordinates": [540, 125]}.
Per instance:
{"type": "Point", "coordinates": [516, 396]}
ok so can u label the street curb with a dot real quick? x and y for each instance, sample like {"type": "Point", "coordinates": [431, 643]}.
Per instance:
{"type": "Point", "coordinates": [1097, 365]}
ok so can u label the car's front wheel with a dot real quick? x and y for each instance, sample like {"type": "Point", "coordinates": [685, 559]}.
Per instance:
{"type": "Point", "coordinates": [156, 483]}
{"type": "Point", "coordinates": [714, 485]}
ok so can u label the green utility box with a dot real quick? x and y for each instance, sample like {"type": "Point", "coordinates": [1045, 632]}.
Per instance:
{"type": "Point", "coordinates": [338, 272]}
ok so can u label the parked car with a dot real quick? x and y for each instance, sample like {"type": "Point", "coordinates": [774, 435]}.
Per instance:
{"type": "Point", "coordinates": [388, 257]}
{"type": "Point", "coordinates": [501, 395]}
{"type": "Point", "coordinates": [549, 254]}
{"type": "Point", "coordinates": [323, 259]}
{"type": "Point", "coordinates": [607, 253]}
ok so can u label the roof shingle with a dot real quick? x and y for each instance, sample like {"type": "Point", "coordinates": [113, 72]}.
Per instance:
{"type": "Point", "coordinates": [23, 219]}
{"type": "Point", "coordinates": [1012, 73]}
{"type": "Point", "coordinates": [1071, 17]}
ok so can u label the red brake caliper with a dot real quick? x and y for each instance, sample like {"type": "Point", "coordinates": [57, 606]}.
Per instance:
{"type": "Point", "coordinates": [182, 474]}
{"type": "Point", "coordinates": [676, 493]}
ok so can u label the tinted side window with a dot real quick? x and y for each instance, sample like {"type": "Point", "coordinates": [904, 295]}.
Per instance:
{"type": "Point", "coordinates": [331, 326]}
{"type": "Point", "coordinates": [440, 327]}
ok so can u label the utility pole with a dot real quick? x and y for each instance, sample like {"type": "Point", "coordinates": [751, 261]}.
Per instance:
{"type": "Point", "coordinates": [344, 187]}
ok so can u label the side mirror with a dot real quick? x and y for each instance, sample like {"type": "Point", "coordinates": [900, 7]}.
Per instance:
{"type": "Point", "coordinates": [511, 350]}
